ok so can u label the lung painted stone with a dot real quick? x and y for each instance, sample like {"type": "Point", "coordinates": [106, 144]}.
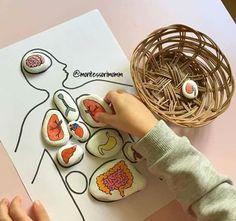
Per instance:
{"type": "Point", "coordinates": [69, 155]}
{"type": "Point", "coordinates": [115, 180]}
{"type": "Point", "coordinates": [66, 105]}
{"type": "Point", "coordinates": [79, 131]}
{"type": "Point", "coordinates": [54, 129]}
{"type": "Point", "coordinates": [105, 143]}
{"type": "Point", "coordinates": [36, 63]}
{"type": "Point", "coordinates": [89, 106]}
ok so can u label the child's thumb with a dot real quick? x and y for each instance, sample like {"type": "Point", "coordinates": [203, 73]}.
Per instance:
{"type": "Point", "coordinates": [104, 117]}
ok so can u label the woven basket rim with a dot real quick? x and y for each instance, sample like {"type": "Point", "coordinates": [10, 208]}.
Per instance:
{"type": "Point", "coordinates": [170, 55]}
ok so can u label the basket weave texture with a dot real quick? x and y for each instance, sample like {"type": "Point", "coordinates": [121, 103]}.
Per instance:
{"type": "Point", "coordinates": [168, 57]}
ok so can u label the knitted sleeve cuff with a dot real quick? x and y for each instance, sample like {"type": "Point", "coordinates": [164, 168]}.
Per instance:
{"type": "Point", "coordinates": [157, 142]}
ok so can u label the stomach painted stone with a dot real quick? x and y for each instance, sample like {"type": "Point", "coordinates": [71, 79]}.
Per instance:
{"type": "Point", "coordinates": [115, 180]}
{"type": "Point", "coordinates": [89, 106]}
{"type": "Point", "coordinates": [54, 129]}
{"type": "Point", "coordinates": [36, 63]}
{"type": "Point", "coordinates": [79, 131]}
{"type": "Point", "coordinates": [131, 154]}
{"type": "Point", "coordinates": [105, 143]}
{"type": "Point", "coordinates": [70, 155]}
{"type": "Point", "coordinates": [66, 105]}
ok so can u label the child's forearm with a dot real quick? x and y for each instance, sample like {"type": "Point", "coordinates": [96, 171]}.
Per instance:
{"type": "Point", "coordinates": [191, 177]}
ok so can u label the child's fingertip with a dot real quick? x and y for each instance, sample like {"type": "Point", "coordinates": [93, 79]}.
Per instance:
{"type": "Point", "coordinates": [5, 201]}
{"type": "Point", "coordinates": [37, 203]}
{"type": "Point", "coordinates": [97, 116]}
{"type": "Point", "coordinates": [17, 199]}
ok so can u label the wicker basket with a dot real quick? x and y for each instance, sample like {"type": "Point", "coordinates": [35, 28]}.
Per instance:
{"type": "Point", "coordinates": [169, 56]}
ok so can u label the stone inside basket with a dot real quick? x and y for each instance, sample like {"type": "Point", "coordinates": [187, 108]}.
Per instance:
{"type": "Point", "coordinates": [169, 57]}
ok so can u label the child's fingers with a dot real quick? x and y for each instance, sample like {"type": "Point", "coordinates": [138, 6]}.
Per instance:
{"type": "Point", "coordinates": [39, 212]}
{"type": "Point", "coordinates": [109, 96]}
{"type": "Point", "coordinates": [104, 118]}
{"type": "Point", "coordinates": [121, 91]}
{"type": "Point", "coordinates": [4, 210]}
{"type": "Point", "coordinates": [16, 212]}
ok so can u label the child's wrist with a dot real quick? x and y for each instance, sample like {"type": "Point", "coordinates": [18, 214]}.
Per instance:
{"type": "Point", "coordinates": [149, 126]}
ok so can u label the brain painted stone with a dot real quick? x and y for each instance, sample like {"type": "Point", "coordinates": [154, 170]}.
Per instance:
{"type": "Point", "coordinates": [35, 60]}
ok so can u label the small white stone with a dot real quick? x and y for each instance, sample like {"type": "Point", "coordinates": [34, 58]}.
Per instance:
{"type": "Point", "coordinates": [131, 154]}
{"type": "Point", "coordinates": [105, 143]}
{"type": "Point", "coordinates": [66, 104]}
{"type": "Point", "coordinates": [70, 155]}
{"type": "Point", "coordinates": [36, 63]}
{"type": "Point", "coordinates": [89, 106]}
{"type": "Point", "coordinates": [115, 180]}
{"type": "Point", "coordinates": [54, 129]}
{"type": "Point", "coordinates": [78, 130]}
{"type": "Point", "coordinates": [190, 89]}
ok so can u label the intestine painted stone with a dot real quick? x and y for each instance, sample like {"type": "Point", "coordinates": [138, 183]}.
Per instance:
{"type": "Point", "coordinates": [35, 63]}
{"type": "Point", "coordinates": [54, 129]}
{"type": "Point", "coordinates": [89, 106]}
{"type": "Point", "coordinates": [66, 105]}
{"type": "Point", "coordinates": [115, 180]}
{"type": "Point", "coordinates": [69, 155]}
{"type": "Point", "coordinates": [131, 154]}
{"type": "Point", "coordinates": [78, 130]}
{"type": "Point", "coordinates": [105, 143]}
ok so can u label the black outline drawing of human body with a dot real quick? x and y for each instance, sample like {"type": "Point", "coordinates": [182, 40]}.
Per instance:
{"type": "Point", "coordinates": [36, 81]}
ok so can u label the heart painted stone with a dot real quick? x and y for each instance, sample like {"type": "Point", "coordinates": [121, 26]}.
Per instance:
{"type": "Point", "coordinates": [131, 154]}
{"type": "Point", "coordinates": [89, 106]}
{"type": "Point", "coordinates": [70, 155]}
{"type": "Point", "coordinates": [66, 104]}
{"type": "Point", "coordinates": [79, 131]}
{"type": "Point", "coordinates": [36, 63]}
{"type": "Point", "coordinates": [54, 129]}
{"type": "Point", "coordinates": [105, 143]}
{"type": "Point", "coordinates": [115, 180]}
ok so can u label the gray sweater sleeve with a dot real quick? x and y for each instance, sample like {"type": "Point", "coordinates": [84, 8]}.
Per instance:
{"type": "Point", "coordinates": [200, 189]}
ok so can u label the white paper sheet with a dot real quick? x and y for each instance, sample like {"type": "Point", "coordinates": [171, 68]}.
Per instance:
{"type": "Point", "coordinates": [84, 44]}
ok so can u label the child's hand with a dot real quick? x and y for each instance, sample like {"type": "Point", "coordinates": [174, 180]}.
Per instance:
{"type": "Point", "coordinates": [131, 115]}
{"type": "Point", "coordinates": [12, 211]}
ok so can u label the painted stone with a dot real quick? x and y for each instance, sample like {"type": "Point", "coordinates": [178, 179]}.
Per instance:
{"type": "Point", "coordinates": [79, 131]}
{"type": "Point", "coordinates": [115, 180]}
{"type": "Point", "coordinates": [70, 155]}
{"type": "Point", "coordinates": [89, 106]}
{"type": "Point", "coordinates": [66, 105]}
{"type": "Point", "coordinates": [54, 129]}
{"type": "Point", "coordinates": [105, 143]}
{"type": "Point", "coordinates": [36, 63]}
{"type": "Point", "coordinates": [131, 154]}
{"type": "Point", "coordinates": [190, 89]}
